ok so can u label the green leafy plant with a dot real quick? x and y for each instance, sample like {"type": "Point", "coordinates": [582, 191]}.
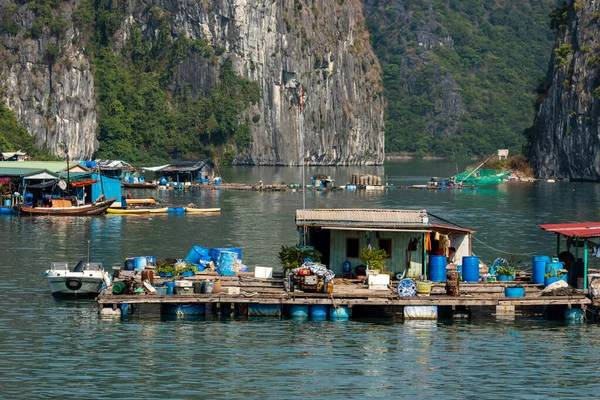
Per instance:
{"type": "Point", "coordinates": [505, 271]}
{"type": "Point", "coordinates": [292, 257]}
{"type": "Point", "coordinates": [374, 258]}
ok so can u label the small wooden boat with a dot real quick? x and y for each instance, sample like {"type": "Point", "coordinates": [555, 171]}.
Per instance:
{"type": "Point", "coordinates": [138, 211]}
{"type": "Point", "coordinates": [140, 201]}
{"type": "Point", "coordinates": [193, 210]}
{"type": "Point", "coordinates": [65, 207]}
{"type": "Point", "coordinates": [143, 185]}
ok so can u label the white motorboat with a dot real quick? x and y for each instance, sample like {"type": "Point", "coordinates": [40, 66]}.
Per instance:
{"type": "Point", "coordinates": [86, 280]}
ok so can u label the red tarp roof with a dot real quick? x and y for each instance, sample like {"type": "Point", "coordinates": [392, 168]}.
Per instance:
{"type": "Point", "coordinates": [577, 229]}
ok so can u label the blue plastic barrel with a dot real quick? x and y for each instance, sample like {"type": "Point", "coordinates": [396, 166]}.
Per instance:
{"type": "Point", "coordinates": [195, 254]}
{"type": "Point", "coordinates": [226, 263]}
{"type": "Point", "coordinates": [217, 181]}
{"type": "Point", "coordinates": [437, 268]}
{"type": "Point", "coordinates": [163, 180]}
{"type": "Point", "coordinates": [470, 269]}
{"type": "Point", "coordinates": [150, 260]}
{"type": "Point", "coordinates": [264, 310]}
{"type": "Point", "coordinates": [347, 267]}
{"type": "Point", "coordinates": [552, 267]}
{"type": "Point", "coordinates": [318, 312]}
{"type": "Point", "coordinates": [538, 269]}
{"type": "Point", "coordinates": [129, 264]}
{"type": "Point", "coordinates": [339, 313]}
{"type": "Point", "coordinates": [140, 263]}
{"type": "Point", "coordinates": [550, 281]}
{"type": "Point", "coordinates": [208, 287]}
{"type": "Point", "coordinates": [8, 202]}
{"type": "Point", "coordinates": [170, 287]}
{"type": "Point", "coordinates": [299, 311]}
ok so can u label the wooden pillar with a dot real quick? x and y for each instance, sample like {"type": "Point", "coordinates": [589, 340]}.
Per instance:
{"type": "Point", "coordinates": [585, 265]}
{"type": "Point", "coordinates": [424, 263]}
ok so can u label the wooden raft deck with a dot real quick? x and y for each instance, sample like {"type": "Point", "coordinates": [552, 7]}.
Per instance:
{"type": "Point", "coordinates": [347, 293]}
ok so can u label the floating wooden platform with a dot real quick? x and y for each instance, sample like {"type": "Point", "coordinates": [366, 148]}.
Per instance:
{"type": "Point", "coordinates": [349, 293]}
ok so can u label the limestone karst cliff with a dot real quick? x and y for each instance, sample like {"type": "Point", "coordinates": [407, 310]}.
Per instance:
{"type": "Point", "coordinates": [565, 139]}
{"type": "Point", "coordinates": [321, 46]}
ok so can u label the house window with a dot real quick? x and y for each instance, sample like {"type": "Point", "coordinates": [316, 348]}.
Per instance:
{"type": "Point", "coordinates": [352, 248]}
{"type": "Point", "coordinates": [386, 244]}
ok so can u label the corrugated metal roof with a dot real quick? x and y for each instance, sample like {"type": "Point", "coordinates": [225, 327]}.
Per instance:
{"type": "Point", "coordinates": [577, 229]}
{"type": "Point", "coordinates": [450, 228]}
{"type": "Point", "coordinates": [23, 172]}
{"type": "Point", "coordinates": [52, 166]}
{"type": "Point", "coordinates": [363, 218]}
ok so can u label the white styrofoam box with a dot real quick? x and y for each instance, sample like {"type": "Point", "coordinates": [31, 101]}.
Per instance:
{"type": "Point", "coordinates": [231, 290]}
{"type": "Point", "coordinates": [381, 279]}
{"type": "Point", "coordinates": [378, 287]}
{"type": "Point", "coordinates": [183, 283]}
{"type": "Point", "coordinates": [263, 272]}
{"type": "Point", "coordinates": [187, 291]}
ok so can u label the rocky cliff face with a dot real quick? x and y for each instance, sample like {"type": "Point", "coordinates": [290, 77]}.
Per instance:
{"type": "Point", "coordinates": [319, 46]}
{"type": "Point", "coordinates": [47, 81]}
{"type": "Point", "coordinates": [566, 135]}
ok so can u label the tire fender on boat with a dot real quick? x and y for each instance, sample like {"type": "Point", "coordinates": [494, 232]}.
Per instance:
{"type": "Point", "coordinates": [73, 283]}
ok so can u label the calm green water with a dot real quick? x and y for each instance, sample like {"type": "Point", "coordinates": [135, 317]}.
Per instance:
{"type": "Point", "coordinates": [53, 349]}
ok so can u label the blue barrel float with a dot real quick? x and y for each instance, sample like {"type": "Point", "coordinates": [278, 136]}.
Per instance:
{"type": "Point", "coordinates": [184, 309]}
{"type": "Point", "coordinates": [339, 313]}
{"type": "Point", "coordinates": [298, 311]}
{"type": "Point", "coordinates": [538, 269]}
{"type": "Point", "coordinates": [437, 268]}
{"type": "Point", "coordinates": [470, 269]}
{"type": "Point", "coordinates": [264, 310]}
{"type": "Point", "coordinates": [318, 312]}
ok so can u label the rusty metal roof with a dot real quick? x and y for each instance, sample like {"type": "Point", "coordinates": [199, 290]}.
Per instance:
{"type": "Point", "coordinates": [578, 229]}
{"type": "Point", "coordinates": [363, 218]}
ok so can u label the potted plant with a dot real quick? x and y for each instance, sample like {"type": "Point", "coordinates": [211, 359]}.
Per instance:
{"type": "Point", "coordinates": [505, 273]}
{"type": "Point", "coordinates": [550, 278]}
{"type": "Point", "coordinates": [293, 257]}
{"type": "Point", "coordinates": [374, 259]}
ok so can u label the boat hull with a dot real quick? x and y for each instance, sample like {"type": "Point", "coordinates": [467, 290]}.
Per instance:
{"type": "Point", "coordinates": [75, 285]}
{"type": "Point", "coordinates": [96, 208]}
{"type": "Point", "coordinates": [192, 210]}
{"type": "Point", "coordinates": [139, 185]}
{"type": "Point", "coordinates": [138, 211]}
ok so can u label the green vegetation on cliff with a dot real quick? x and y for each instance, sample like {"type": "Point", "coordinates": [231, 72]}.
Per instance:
{"type": "Point", "coordinates": [140, 119]}
{"type": "Point", "coordinates": [459, 75]}
{"type": "Point", "coordinates": [14, 137]}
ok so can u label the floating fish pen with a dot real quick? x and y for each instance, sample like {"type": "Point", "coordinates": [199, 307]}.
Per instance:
{"type": "Point", "coordinates": [241, 296]}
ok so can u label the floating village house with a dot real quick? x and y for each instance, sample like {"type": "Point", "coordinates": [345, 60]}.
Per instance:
{"type": "Point", "coordinates": [407, 236]}
{"type": "Point", "coordinates": [14, 156]}
{"type": "Point", "coordinates": [52, 179]}
{"type": "Point", "coordinates": [187, 172]}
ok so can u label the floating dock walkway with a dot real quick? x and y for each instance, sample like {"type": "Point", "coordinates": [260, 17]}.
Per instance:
{"type": "Point", "coordinates": [240, 292]}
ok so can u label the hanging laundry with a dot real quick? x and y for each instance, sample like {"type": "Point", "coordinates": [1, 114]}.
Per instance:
{"type": "Point", "coordinates": [427, 242]}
